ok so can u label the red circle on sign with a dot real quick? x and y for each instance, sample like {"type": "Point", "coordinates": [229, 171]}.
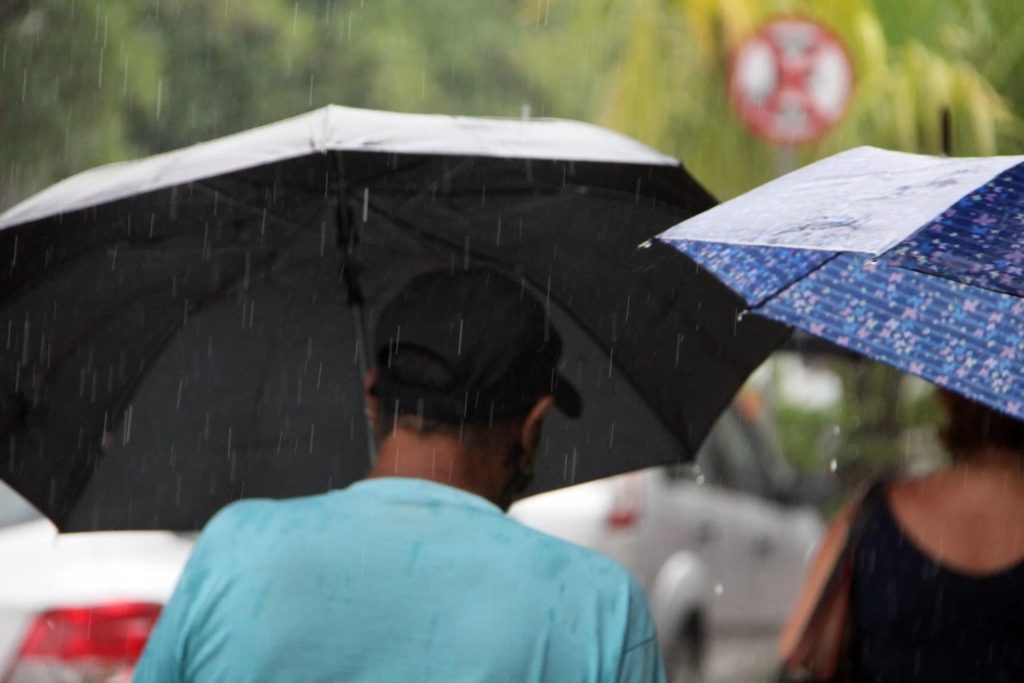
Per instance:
{"type": "Point", "coordinates": [791, 81]}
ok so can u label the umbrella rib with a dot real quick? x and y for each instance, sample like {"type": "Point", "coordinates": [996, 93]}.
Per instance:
{"type": "Point", "coordinates": [371, 177]}
{"type": "Point", "coordinates": [354, 293]}
{"type": "Point", "coordinates": [239, 204]}
{"type": "Point", "coordinates": [755, 308]}
{"type": "Point", "coordinates": [543, 198]}
{"type": "Point", "coordinates": [553, 192]}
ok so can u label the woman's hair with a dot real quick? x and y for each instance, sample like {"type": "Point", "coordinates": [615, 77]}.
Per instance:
{"type": "Point", "coordinates": [971, 425]}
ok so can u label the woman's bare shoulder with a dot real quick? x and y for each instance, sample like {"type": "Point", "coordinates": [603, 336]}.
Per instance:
{"type": "Point", "coordinates": [919, 487]}
{"type": "Point", "coordinates": [969, 520]}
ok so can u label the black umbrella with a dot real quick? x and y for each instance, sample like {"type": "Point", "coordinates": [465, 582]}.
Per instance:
{"type": "Point", "coordinates": [190, 329]}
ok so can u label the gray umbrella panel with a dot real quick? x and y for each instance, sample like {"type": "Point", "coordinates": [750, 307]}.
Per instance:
{"type": "Point", "coordinates": [172, 352]}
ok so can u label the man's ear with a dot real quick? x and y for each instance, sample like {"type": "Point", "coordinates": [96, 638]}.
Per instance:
{"type": "Point", "coordinates": [534, 419]}
{"type": "Point", "coordinates": [371, 401]}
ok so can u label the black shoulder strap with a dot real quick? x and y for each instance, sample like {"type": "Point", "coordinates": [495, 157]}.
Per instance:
{"type": "Point", "coordinates": [872, 498]}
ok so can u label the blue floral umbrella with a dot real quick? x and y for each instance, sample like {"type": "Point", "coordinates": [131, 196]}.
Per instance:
{"type": "Point", "coordinates": [911, 260]}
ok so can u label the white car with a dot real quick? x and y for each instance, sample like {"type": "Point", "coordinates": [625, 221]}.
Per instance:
{"type": "Point", "coordinates": [79, 607]}
{"type": "Point", "coordinates": [720, 545]}
{"type": "Point", "coordinates": [711, 546]}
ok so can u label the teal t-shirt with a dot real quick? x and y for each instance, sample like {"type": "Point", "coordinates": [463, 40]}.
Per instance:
{"type": "Point", "coordinates": [395, 580]}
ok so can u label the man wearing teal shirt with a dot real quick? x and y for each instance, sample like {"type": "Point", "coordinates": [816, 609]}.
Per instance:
{"type": "Point", "coordinates": [416, 574]}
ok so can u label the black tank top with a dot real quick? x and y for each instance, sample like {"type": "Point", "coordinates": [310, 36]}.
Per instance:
{"type": "Point", "coordinates": [917, 620]}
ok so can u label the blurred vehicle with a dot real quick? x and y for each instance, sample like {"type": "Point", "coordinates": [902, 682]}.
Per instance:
{"type": "Point", "coordinates": [720, 545]}
{"type": "Point", "coordinates": [78, 607]}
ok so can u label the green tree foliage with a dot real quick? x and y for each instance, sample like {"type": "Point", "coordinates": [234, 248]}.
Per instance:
{"type": "Point", "coordinates": [85, 82]}
{"type": "Point", "coordinates": [657, 70]}
{"type": "Point", "coordinates": [67, 71]}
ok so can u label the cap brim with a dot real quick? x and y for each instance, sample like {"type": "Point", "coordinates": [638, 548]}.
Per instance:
{"type": "Point", "coordinates": [567, 399]}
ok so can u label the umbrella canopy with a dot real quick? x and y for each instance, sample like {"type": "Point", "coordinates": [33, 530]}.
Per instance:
{"type": "Point", "coordinates": [911, 260]}
{"type": "Point", "coordinates": [192, 328]}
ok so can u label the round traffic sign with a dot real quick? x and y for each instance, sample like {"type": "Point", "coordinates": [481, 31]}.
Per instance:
{"type": "Point", "coordinates": [791, 81]}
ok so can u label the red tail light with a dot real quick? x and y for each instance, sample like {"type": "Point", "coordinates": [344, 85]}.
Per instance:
{"type": "Point", "coordinates": [88, 644]}
{"type": "Point", "coordinates": [628, 504]}
{"type": "Point", "coordinates": [623, 518]}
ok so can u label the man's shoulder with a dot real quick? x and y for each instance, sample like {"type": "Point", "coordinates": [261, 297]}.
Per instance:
{"type": "Point", "coordinates": [600, 570]}
{"type": "Point", "coordinates": [590, 577]}
{"type": "Point", "coordinates": [241, 512]}
{"type": "Point", "coordinates": [260, 514]}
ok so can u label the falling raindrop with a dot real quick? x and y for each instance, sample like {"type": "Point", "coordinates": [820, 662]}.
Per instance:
{"type": "Point", "coordinates": [99, 78]}
{"type": "Point", "coordinates": [719, 589]}
{"type": "Point", "coordinates": [127, 436]}
{"type": "Point", "coordinates": [25, 343]}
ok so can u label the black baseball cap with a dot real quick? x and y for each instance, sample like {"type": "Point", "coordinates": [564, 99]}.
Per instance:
{"type": "Point", "coordinates": [492, 336]}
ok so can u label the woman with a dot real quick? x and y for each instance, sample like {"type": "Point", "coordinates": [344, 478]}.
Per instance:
{"type": "Point", "coordinates": [938, 583]}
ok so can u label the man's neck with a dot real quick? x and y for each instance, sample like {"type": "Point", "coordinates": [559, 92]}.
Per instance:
{"type": "Point", "coordinates": [405, 453]}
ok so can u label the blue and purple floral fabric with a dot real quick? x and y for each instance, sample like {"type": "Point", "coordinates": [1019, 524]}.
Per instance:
{"type": "Point", "coordinates": [849, 262]}
{"type": "Point", "coordinates": [969, 339]}
{"type": "Point", "coordinates": [978, 241]}
{"type": "Point", "coordinates": [755, 273]}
